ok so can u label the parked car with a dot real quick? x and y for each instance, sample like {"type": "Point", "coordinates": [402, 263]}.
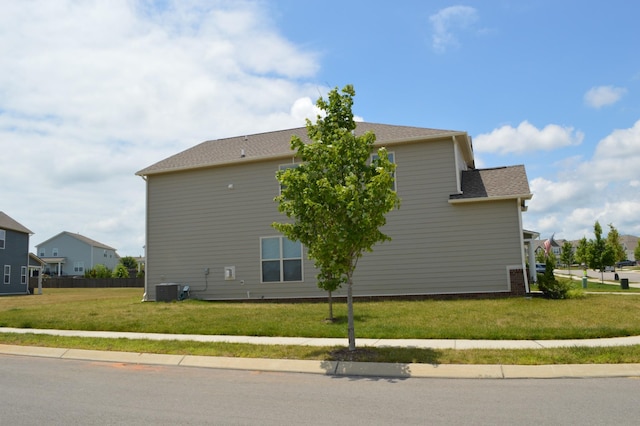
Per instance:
{"type": "Point", "coordinates": [540, 268]}
{"type": "Point", "coordinates": [626, 263]}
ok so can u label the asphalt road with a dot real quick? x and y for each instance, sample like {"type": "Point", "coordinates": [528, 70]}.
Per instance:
{"type": "Point", "coordinates": [631, 275]}
{"type": "Point", "coordinates": [37, 391]}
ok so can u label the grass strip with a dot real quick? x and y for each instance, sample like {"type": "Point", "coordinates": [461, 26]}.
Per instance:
{"type": "Point", "coordinates": [571, 355]}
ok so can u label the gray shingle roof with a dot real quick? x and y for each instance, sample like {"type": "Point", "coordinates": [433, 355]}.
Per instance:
{"type": "Point", "coordinates": [499, 182]}
{"type": "Point", "coordinates": [79, 237]}
{"type": "Point", "coordinates": [7, 222]}
{"type": "Point", "coordinates": [277, 144]}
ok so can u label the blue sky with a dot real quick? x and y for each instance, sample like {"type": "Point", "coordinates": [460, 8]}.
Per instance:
{"type": "Point", "coordinates": [92, 92]}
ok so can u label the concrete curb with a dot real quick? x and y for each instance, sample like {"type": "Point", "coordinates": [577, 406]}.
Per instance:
{"type": "Point", "coordinates": [336, 368]}
{"type": "Point", "coordinates": [457, 344]}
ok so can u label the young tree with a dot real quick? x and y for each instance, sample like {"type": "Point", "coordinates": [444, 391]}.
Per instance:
{"type": "Point", "coordinates": [582, 251]}
{"type": "Point", "coordinates": [600, 254]}
{"type": "Point", "coordinates": [337, 197]}
{"type": "Point", "coordinates": [613, 241]}
{"type": "Point", "coordinates": [129, 262]}
{"type": "Point", "coordinates": [567, 255]}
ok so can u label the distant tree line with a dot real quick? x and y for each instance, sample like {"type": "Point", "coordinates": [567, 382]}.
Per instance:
{"type": "Point", "coordinates": [121, 270]}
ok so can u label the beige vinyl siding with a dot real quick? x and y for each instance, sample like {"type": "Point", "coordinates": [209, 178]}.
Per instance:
{"type": "Point", "coordinates": [195, 222]}
{"type": "Point", "coordinates": [438, 247]}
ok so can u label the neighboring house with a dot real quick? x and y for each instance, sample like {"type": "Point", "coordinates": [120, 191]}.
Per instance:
{"type": "Point", "coordinates": [556, 247]}
{"type": "Point", "coordinates": [74, 254]}
{"type": "Point", "coordinates": [629, 244]}
{"type": "Point", "coordinates": [14, 256]}
{"type": "Point", "coordinates": [458, 230]}
{"type": "Point", "coordinates": [36, 266]}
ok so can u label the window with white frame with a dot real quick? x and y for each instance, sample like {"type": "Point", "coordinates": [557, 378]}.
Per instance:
{"type": "Point", "coordinates": [284, 167]}
{"type": "Point", "coordinates": [3, 236]}
{"type": "Point", "coordinates": [23, 275]}
{"type": "Point", "coordinates": [7, 274]}
{"type": "Point", "coordinates": [41, 252]}
{"type": "Point", "coordinates": [280, 260]}
{"type": "Point", "coordinates": [391, 156]}
{"type": "Point", "coordinates": [78, 267]}
{"type": "Point", "coordinates": [54, 252]}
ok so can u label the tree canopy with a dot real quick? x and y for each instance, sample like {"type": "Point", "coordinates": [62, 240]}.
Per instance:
{"type": "Point", "coordinates": [600, 253]}
{"type": "Point", "coordinates": [613, 241]}
{"type": "Point", "coordinates": [567, 256]}
{"type": "Point", "coordinates": [338, 195]}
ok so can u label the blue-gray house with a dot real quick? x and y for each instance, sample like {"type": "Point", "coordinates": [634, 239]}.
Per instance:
{"type": "Point", "coordinates": [14, 256]}
{"type": "Point", "coordinates": [73, 254]}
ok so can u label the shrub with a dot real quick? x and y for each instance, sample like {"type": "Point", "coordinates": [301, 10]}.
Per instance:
{"type": "Point", "coordinates": [99, 271]}
{"type": "Point", "coordinates": [550, 286]}
{"type": "Point", "coordinates": [120, 271]}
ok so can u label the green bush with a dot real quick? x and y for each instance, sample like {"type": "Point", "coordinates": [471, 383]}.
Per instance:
{"type": "Point", "coordinates": [99, 271]}
{"type": "Point", "coordinates": [120, 271]}
{"type": "Point", "coordinates": [550, 286]}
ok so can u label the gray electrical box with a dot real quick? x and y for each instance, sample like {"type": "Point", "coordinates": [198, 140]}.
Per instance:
{"type": "Point", "coordinates": [167, 292]}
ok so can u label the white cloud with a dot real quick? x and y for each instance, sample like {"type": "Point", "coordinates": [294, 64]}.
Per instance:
{"type": "Point", "coordinates": [527, 138]}
{"type": "Point", "coordinates": [447, 22]}
{"type": "Point", "coordinates": [94, 91]}
{"type": "Point", "coordinates": [600, 96]}
{"type": "Point", "coordinates": [603, 188]}
{"type": "Point", "coordinates": [621, 143]}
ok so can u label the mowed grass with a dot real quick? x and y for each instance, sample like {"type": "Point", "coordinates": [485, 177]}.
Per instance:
{"type": "Point", "coordinates": [590, 316]}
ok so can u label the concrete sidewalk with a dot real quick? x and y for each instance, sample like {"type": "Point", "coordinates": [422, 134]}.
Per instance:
{"type": "Point", "coordinates": [340, 368]}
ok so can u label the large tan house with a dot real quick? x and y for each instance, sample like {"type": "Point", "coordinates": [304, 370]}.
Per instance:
{"type": "Point", "coordinates": [458, 230]}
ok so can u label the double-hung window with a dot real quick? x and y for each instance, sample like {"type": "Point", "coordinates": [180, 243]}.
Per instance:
{"type": "Point", "coordinates": [284, 167]}
{"type": "Point", "coordinates": [3, 237]}
{"type": "Point", "coordinates": [23, 275]}
{"type": "Point", "coordinates": [391, 156]}
{"type": "Point", "coordinates": [280, 259]}
{"type": "Point", "coordinates": [78, 267]}
{"type": "Point", "coordinates": [7, 274]}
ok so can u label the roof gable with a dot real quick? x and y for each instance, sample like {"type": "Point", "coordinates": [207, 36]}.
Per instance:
{"type": "Point", "coordinates": [277, 145]}
{"type": "Point", "coordinates": [7, 222]}
{"type": "Point", "coordinates": [82, 238]}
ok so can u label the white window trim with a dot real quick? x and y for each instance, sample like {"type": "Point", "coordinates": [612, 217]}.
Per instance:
{"type": "Point", "coordinates": [23, 274]}
{"type": "Point", "coordinates": [284, 167]}
{"type": "Point", "coordinates": [281, 260]}
{"type": "Point", "coordinates": [7, 275]}
{"type": "Point", "coordinates": [391, 154]}
{"type": "Point", "coordinates": [3, 239]}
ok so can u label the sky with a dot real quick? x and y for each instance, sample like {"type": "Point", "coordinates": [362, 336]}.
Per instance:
{"type": "Point", "coordinates": [93, 91]}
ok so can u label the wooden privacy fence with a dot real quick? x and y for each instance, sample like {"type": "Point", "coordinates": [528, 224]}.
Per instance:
{"type": "Point", "coordinates": [86, 282]}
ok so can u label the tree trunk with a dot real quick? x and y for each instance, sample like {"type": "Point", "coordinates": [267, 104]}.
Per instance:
{"type": "Point", "coordinates": [351, 329]}
{"type": "Point", "coordinates": [330, 307]}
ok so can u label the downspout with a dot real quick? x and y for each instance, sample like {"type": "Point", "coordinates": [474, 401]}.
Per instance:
{"type": "Point", "coordinates": [28, 268]}
{"type": "Point", "coordinates": [522, 258]}
{"type": "Point", "coordinates": [145, 296]}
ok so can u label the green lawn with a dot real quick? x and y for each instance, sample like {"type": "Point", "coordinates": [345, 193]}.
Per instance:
{"type": "Point", "coordinates": [589, 316]}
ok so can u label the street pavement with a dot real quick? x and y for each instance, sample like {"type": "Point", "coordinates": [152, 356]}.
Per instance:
{"type": "Point", "coordinates": [340, 368]}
